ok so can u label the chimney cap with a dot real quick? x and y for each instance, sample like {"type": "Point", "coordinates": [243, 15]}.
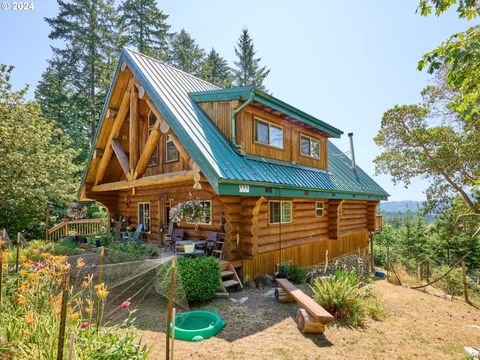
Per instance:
{"type": "Point", "coordinates": [350, 134]}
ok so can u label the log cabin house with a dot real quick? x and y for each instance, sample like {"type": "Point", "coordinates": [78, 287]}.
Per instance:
{"type": "Point", "coordinates": [276, 185]}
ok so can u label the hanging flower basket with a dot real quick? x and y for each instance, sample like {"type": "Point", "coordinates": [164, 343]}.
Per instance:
{"type": "Point", "coordinates": [191, 211]}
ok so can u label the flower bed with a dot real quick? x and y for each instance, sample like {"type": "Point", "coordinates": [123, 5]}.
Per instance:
{"type": "Point", "coordinates": [30, 311]}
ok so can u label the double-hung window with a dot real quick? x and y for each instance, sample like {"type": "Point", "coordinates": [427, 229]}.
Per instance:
{"type": "Point", "coordinates": [309, 147]}
{"type": "Point", "coordinates": [144, 216]}
{"type": "Point", "coordinates": [280, 212]}
{"type": "Point", "coordinates": [268, 134]}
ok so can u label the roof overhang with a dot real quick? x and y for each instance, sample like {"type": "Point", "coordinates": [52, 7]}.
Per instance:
{"type": "Point", "coordinates": [252, 188]}
{"type": "Point", "coordinates": [243, 93]}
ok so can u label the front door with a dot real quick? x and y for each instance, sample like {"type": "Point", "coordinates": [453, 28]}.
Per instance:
{"type": "Point", "coordinates": [164, 218]}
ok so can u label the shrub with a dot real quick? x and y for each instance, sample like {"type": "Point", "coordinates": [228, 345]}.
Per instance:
{"type": "Point", "coordinates": [344, 295]}
{"type": "Point", "coordinates": [452, 283]}
{"type": "Point", "coordinates": [294, 273]}
{"type": "Point", "coordinates": [200, 277]}
{"type": "Point", "coordinates": [66, 247]}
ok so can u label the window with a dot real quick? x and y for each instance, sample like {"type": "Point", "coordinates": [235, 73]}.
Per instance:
{"type": "Point", "coordinates": [280, 212]}
{"type": "Point", "coordinates": [268, 134]}
{"type": "Point", "coordinates": [320, 208]}
{"type": "Point", "coordinates": [152, 119]}
{"type": "Point", "coordinates": [171, 152]}
{"type": "Point", "coordinates": [208, 205]}
{"type": "Point", "coordinates": [144, 216]}
{"type": "Point", "coordinates": [309, 147]}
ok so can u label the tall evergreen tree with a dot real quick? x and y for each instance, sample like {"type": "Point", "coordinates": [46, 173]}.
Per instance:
{"type": "Point", "coordinates": [185, 54]}
{"type": "Point", "coordinates": [144, 26]}
{"type": "Point", "coordinates": [87, 28]}
{"type": "Point", "coordinates": [248, 70]}
{"type": "Point", "coordinates": [215, 69]}
{"type": "Point", "coordinates": [57, 101]}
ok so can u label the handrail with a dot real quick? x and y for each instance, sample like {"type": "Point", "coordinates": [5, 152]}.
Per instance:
{"type": "Point", "coordinates": [83, 227]}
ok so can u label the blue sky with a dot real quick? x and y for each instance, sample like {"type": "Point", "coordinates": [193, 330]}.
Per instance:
{"type": "Point", "coordinates": [345, 62]}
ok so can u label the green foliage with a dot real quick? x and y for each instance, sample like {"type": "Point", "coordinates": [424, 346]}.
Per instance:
{"type": "Point", "coordinates": [200, 277]}
{"type": "Point", "coordinates": [144, 26]}
{"type": "Point", "coordinates": [35, 159]}
{"type": "Point", "coordinates": [88, 32]}
{"type": "Point", "coordinates": [185, 54]}
{"type": "Point", "coordinates": [468, 9]}
{"type": "Point", "coordinates": [248, 71]}
{"type": "Point", "coordinates": [344, 295]}
{"type": "Point", "coordinates": [66, 247]}
{"type": "Point", "coordinates": [295, 273]}
{"type": "Point", "coordinates": [215, 70]}
{"type": "Point", "coordinates": [112, 343]}
{"type": "Point", "coordinates": [452, 283]}
{"type": "Point", "coordinates": [431, 142]}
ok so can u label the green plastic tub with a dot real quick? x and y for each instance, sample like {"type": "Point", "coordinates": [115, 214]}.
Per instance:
{"type": "Point", "coordinates": [197, 325]}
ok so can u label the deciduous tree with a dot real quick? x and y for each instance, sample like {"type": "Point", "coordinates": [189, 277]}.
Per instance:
{"type": "Point", "coordinates": [36, 161]}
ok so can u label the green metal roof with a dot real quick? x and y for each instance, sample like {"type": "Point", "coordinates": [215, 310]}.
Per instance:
{"type": "Point", "coordinates": [244, 92]}
{"type": "Point", "coordinates": [175, 92]}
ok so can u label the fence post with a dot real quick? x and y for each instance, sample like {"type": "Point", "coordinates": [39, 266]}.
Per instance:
{"type": "Point", "coordinates": [465, 285]}
{"type": "Point", "coordinates": [427, 270]}
{"type": "Point", "coordinates": [65, 229]}
{"type": "Point", "coordinates": [63, 316]}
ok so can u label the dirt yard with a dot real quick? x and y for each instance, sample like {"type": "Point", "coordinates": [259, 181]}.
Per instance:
{"type": "Point", "coordinates": [417, 325]}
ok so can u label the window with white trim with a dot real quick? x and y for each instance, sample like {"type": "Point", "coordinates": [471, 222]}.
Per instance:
{"type": "Point", "coordinates": [319, 208]}
{"type": "Point", "coordinates": [207, 204]}
{"type": "Point", "coordinates": [171, 152]}
{"type": "Point", "coordinates": [144, 216]}
{"type": "Point", "coordinates": [309, 147]}
{"type": "Point", "coordinates": [280, 212]}
{"type": "Point", "coordinates": [268, 133]}
{"type": "Point", "coordinates": [152, 119]}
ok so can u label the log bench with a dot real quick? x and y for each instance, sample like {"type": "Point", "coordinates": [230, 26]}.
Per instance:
{"type": "Point", "coordinates": [311, 317]}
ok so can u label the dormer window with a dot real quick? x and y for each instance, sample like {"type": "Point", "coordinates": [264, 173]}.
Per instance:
{"type": "Point", "coordinates": [268, 134]}
{"type": "Point", "coordinates": [309, 147]}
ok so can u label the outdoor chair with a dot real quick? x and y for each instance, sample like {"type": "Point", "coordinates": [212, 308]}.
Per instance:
{"type": "Point", "coordinates": [212, 237]}
{"type": "Point", "coordinates": [133, 236]}
{"type": "Point", "coordinates": [171, 240]}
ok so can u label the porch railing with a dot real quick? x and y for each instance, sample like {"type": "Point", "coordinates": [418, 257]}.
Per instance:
{"type": "Point", "coordinates": [85, 227]}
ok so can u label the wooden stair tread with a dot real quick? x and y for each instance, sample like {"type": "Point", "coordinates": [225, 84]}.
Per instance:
{"type": "Point", "coordinates": [226, 273]}
{"type": "Point", "coordinates": [230, 283]}
{"type": "Point", "coordinates": [305, 301]}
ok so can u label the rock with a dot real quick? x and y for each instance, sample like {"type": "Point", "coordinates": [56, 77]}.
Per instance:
{"type": "Point", "coordinates": [234, 300]}
{"type": "Point", "coordinates": [264, 280]}
{"type": "Point", "coordinates": [243, 300]}
{"type": "Point", "coordinates": [252, 284]}
{"type": "Point", "coordinates": [270, 293]}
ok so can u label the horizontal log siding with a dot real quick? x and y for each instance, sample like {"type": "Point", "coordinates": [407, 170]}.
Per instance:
{"type": "Point", "coordinates": [174, 194]}
{"type": "Point", "coordinates": [304, 255]}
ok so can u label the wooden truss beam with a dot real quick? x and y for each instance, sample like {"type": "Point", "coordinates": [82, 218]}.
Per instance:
{"type": "Point", "coordinates": [150, 146]}
{"type": "Point", "coordinates": [114, 133]}
{"type": "Point", "coordinates": [134, 129]}
{"type": "Point", "coordinates": [169, 178]}
{"type": "Point", "coordinates": [122, 157]}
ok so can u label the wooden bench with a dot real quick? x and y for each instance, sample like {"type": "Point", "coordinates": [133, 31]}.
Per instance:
{"type": "Point", "coordinates": [311, 317]}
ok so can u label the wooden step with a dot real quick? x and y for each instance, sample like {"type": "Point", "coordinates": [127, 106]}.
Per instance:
{"type": "Point", "coordinates": [217, 251]}
{"type": "Point", "coordinates": [226, 273]}
{"type": "Point", "coordinates": [230, 283]}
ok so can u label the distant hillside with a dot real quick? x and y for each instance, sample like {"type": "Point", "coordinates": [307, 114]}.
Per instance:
{"type": "Point", "coordinates": [400, 206]}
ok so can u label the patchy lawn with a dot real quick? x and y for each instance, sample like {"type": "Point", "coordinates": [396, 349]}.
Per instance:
{"type": "Point", "coordinates": [418, 325]}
